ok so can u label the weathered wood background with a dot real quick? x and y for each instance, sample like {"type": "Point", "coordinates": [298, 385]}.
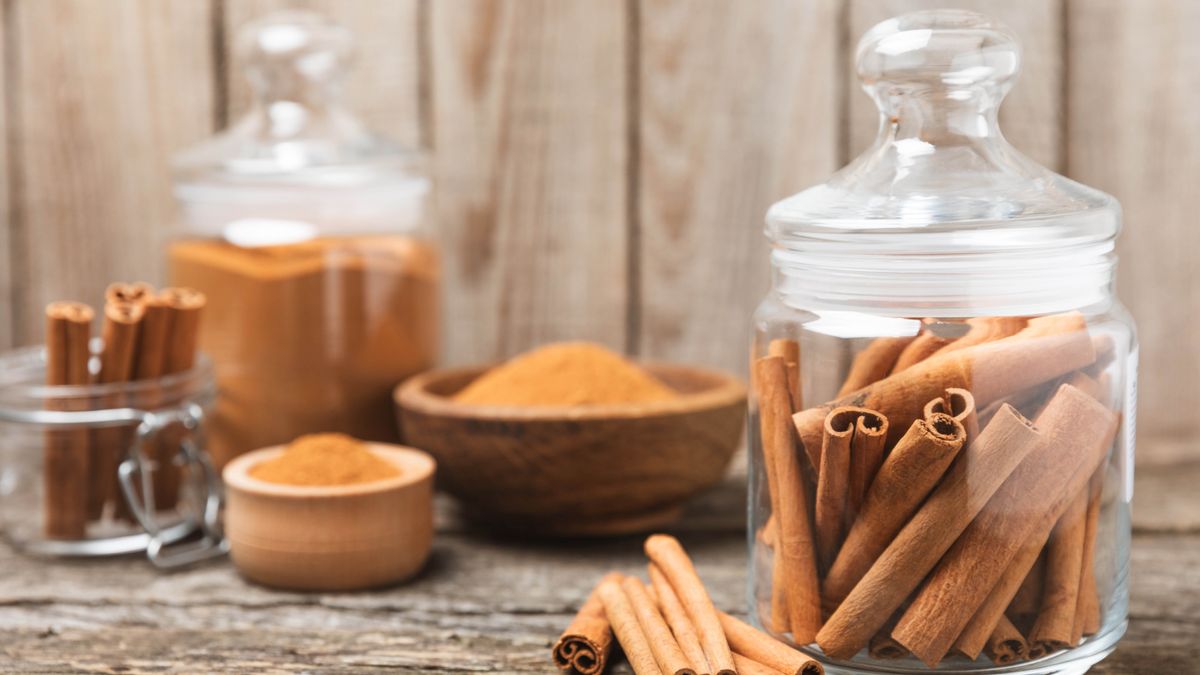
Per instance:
{"type": "Point", "coordinates": [603, 165]}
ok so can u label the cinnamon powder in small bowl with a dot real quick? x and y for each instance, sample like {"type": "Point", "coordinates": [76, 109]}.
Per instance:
{"type": "Point", "coordinates": [324, 459]}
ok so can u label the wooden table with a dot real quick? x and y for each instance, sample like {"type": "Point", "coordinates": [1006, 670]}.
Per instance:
{"type": "Point", "coordinates": [483, 604]}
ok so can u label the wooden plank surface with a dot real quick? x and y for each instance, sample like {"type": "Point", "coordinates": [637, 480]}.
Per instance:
{"type": "Point", "coordinates": [1032, 115]}
{"type": "Point", "coordinates": [1133, 90]}
{"type": "Point", "coordinates": [383, 85]}
{"type": "Point", "coordinates": [483, 604]}
{"type": "Point", "coordinates": [734, 112]}
{"type": "Point", "coordinates": [531, 157]}
{"type": "Point", "coordinates": [101, 95]}
{"type": "Point", "coordinates": [7, 294]}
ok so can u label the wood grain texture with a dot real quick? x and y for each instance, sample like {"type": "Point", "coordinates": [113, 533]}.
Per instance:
{"type": "Point", "coordinates": [735, 111]}
{"type": "Point", "coordinates": [383, 85]}
{"type": "Point", "coordinates": [7, 294]}
{"type": "Point", "coordinates": [1032, 114]}
{"type": "Point", "coordinates": [531, 140]}
{"type": "Point", "coordinates": [1134, 89]}
{"type": "Point", "coordinates": [102, 95]}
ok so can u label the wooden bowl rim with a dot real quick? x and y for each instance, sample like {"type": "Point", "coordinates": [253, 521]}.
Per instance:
{"type": "Point", "coordinates": [415, 466]}
{"type": "Point", "coordinates": [414, 394]}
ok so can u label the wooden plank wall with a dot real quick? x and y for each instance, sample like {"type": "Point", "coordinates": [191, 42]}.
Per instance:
{"type": "Point", "coordinates": [603, 166]}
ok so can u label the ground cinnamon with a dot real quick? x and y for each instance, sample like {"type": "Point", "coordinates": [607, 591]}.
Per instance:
{"type": "Point", "coordinates": [566, 374]}
{"type": "Point", "coordinates": [325, 459]}
{"type": "Point", "coordinates": [312, 336]}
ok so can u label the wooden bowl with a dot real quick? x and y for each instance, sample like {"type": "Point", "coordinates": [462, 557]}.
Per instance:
{"type": "Point", "coordinates": [581, 470]}
{"type": "Point", "coordinates": [330, 538]}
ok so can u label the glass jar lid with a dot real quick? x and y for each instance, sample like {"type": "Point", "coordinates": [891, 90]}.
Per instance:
{"type": "Point", "coordinates": [941, 194]}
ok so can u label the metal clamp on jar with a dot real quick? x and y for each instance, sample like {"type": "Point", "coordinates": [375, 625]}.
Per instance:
{"type": "Point", "coordinates": [107, 469]}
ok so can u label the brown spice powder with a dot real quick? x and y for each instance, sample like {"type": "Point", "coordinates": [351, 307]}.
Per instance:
{"type": "Point", "coordinates": [325, 459]}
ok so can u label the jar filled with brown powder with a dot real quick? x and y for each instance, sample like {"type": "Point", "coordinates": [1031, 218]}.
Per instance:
{"type": "Point", "coordinates": [307, 234]}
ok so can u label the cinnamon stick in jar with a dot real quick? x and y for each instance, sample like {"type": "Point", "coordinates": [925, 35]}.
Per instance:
{"type": "Point", "coordinates": [959, 404]}
{"type": "Point", "coordinates": [907, 476]}
{"type": "Point", "coordinates": [874, 362]}
{"type": "Point", "coordinates": [66, 454]}
{"type": "Point", "coordinates": [986, 329]}
{"type": "Point", "coordinates": [1006, 644]}
{"type": "Point", "coordinates": [917, 548]}
{"type": "Point", "coordinates": [1022, 575]}
{"type": "Point", "coordinates": [1077, 431]}
{"type": "Point", "coordinates": [584, 646]}
{"type": "Point", "coordinates": [924, 346]}
{"type": "Point", "coordinates": [795, 553]}
{"type": "Point", "coordinates": [789, 350]}
{"type": "Point", "coordinates": [122, 322]}
{"type": "Point", "coordinates": [1087, 608]}
{"type": "Point", "coordinates": [867, 449]}
{"type": "Point", "coordinates": [1055, 622]}
{"type": "Point", "coordinates": [833, 479]}
{"type": "Point", "coordinates": [183, 309]}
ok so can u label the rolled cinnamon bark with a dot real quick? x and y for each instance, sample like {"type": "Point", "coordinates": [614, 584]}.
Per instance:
{"type": "Point", "coordinates": [789, 349]}
{"type": "Point", "coordinates": [676, 617]}
{"type": "Point", "coordinates": [184, 307]}
{"type": "Point", "coordinates": [666, 552]}
{"type": "Point", "coordinates": [907, 476]}
{"type": "Point", "coordinates": [1028, 598]}
{"type": "Point", "coordinates": [989, 371]}
{"type": "Point", "coordinates": [121, 292]}
{"type": "Point", "coordinates": [833, 479]}
{"type": "Point", "coordinates": [775, 407]}
{"type": "Point", "coordinates": [625, 626]}
{"type": "Point", "coordinates": [747, 666]}
{"type": "Point", "coordinates": [584, 646]}
{"type": "Point", "coordinates": [1006, 644]}
{"type": "Point", "coordinates": [667, 654]}
{"type": "Point", "coordinates": [874, 362]}
{"type": "Point", "coordinates": [986, 329]}
{"type": "Point", "coordinates": [1064, 566]}
{"type": "Point", "coordinates": [926, 345]}
{"type": "Point", "coordinates": [884, 646]}
{"type": "Point", "coordinates": [66, 454]}
{"type": "Point", "coordinates": [756, 645]}
{"type": "Point", "coordinates": [975, 634]}
{"type": "Point", "coordinates": [122, 320]}
{"type": "Point", "coordinates": [1087, 608]}
{"type": "Point", "coordinates": [959, 404]}
{"type": "Point", "coordinates": [795, 552]}
{"type": "Point", "coordinates": [1076, 431]}
{"type": "Point", "coordinates": [867, 449]}
{"type": "Point", "coordinates": [917, 548]}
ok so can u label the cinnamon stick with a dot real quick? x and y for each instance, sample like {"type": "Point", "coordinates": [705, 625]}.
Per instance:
{"type": "Point", "coordinates": [884, 646]}
{"type": "Point", "coordinates": [1028, 598]}
{"type": "Point", "coordinates": [978, 630]}
{"type": "Point", "coordinates": [927, 344]}
{"type": "Point", "coordinates": [907, 476]}
{"type": "Point", "coordinates": [1055, 622]}
{"type": "Point", "coordinates": [584, 646]}
{"type": "Point", "coordinates": [833, 479]}
{"type": "Point", "coordinates": [666, 552]}
{"type": "Point", "coordinates": [150, 361]}
{"type": "Point", "coordinates": [756, 645]}
{"type": "Point", "coordinates": [986, 329]}
{"type": "Point", "coordinates": [795, 552]}
{"type": "Point", "coordinates": [667, 654]}
{"type": "Point", "coordinates": [775, 406]}
{"type": "Point", "coordinates": [676, 617]}
{"type": "Point", "coordinates": [625, 626]}
{"type": "Point", "coordinates": [747, 666]}
{"type": "Point", "coordinates": [1076, 431]}
{"type": "Point", "coordinates": [122, 320]}
{"type": "Point", "coordinates": [867, 449]}
{"type": "Point", "coordinates": [874, 362]}
{"type": "Point", "coordinates": [789, 349]}
{"type": "Point", "coordinates": [989, 371]}
{"type": "Point", "coordinates": [959, 404]}
{"type": "Point", "coordinates": [1087, 608]}
{"type": "Point", "coordinates": [1006, 644]}
{"type": "Point", "coordinates": [121, 292]}
{"type": "Point", "coordinates": [184, 307]}
{"type": "Point", "coordinates": [66, 455]}
{"type": "Point", "coordinates": [917, 548]}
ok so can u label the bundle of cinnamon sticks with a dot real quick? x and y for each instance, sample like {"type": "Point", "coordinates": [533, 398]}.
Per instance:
{"type": "Point", "coordinates": [669, 626]}
{"type": "Point", "coordinates": [907, 514]}
{"type": "Point", "coordinates": [145, 335]}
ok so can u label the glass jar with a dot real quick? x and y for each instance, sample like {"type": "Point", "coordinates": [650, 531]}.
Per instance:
{"type": "Point", "coordinates": [943, 418]}
{"type": "Point", "coordinates": [80, 471]}
{"type": "Point", "coordinates": [308, 235]}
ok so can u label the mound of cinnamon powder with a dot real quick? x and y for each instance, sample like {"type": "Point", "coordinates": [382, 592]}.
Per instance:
{"type": "Point", "coordinates": [324, 459]}
{"type": "Point", "coordinates": [565, 374]}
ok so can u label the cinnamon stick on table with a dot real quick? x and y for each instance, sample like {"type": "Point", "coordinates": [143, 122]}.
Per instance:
{"type": "Point", "coordinates": [989, 371]}
{"type": "Point", "coordinates": [1076, 431]}
{"type": "Point", "coordinates": [122, 321]}
{"type": "Point", "coordinates": [795, 554]}
{"type": "Point", "coordinates": [676, 617]}
{"type": "Point", "coordinates": [917, 548]}
{"type": "Point", "coordinates": [66, 455]}
{"type": "Point", "coordinates": [907, 476]}
{"type": "Point", "coordinates": [625, 626]}
{"type": "Point", "coordinates": [584, 646]}
{"type": "Point", "coordinates": [666, 553]}
{"type": "Point", "coordinates": [747, 666]}
{"type": "Point", "coordinates": [757, 646]}
{"type": "Point", "coordinates": [667, 653]}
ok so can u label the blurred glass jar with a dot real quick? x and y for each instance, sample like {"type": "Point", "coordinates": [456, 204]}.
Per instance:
{"type": "Point", "coordinates": [944, 387]}
{"type": "Point", "coordinates": [309, 236]}
{"type": "Point", "coordinates": [107, 469]}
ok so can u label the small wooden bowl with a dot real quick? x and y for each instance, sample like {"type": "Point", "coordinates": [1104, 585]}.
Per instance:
{"type": "Point", "coordinates": [330, 538]}
{"type": "Point", "coordinates": [582, 470]}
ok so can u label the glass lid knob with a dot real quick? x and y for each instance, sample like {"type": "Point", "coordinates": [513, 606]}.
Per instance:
{"type": "Point", "coordinates": [295, 56]}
